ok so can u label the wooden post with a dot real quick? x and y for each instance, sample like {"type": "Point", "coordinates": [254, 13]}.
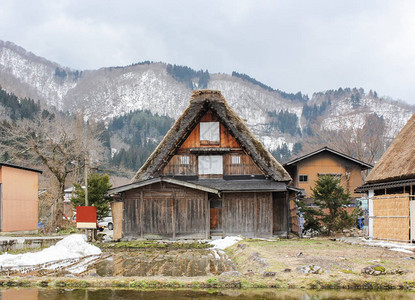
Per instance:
{"type": "Point", "coordinates": [207, 214]}
{"type": "Point", "coordinates": [141, 214]}
{"type": "Point", "coordinates": [173, 215]}
{"type": "Point", "coordinates": [224, 225]}
{"type": "Point", "coordinates": [255, 215]}
{"type": "Point", "coordinates": [287, 202]}
{"type": "Point", "coordinates": [271, 212]}
{"type": "Point", "coordinates": [137, 214]}
{"type": "Point", "coordinates": [124, 217]}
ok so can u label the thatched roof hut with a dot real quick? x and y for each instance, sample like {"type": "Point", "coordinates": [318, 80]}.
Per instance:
{"type": "Point", "coordinates": [200, 102]}
{"type": "Point", "coordinates": [398, 162]}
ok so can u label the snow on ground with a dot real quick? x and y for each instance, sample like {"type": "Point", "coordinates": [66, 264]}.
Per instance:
{"type": "Point", "coordinates": [406, 248]}
{"type": "Point", "coordinates": [225, 242]}
{"type": "Point", "coordinates": [73, 246]}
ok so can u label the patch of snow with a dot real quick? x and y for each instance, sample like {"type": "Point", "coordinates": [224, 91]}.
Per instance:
{"type": "Point", "coordinates": [73, 246]}
{"type": "Point", "coordinates": [406, 248]}
{"type": "Point", "coordinates": [225, 242]}
{"type": "Point", "coordinates": [215, 253]}
{"type": "Point", "coordinates": [402, 250]}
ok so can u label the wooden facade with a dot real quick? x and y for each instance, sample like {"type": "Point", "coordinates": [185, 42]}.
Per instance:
{"type": "Point", "coordinates": [217, 179]}
{"type": "Point", "coordinates": [160, 211]}
{"type": "Point", "coordinates": [306, 170]}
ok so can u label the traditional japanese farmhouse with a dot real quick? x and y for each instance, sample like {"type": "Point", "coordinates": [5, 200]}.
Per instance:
{"type": "Point", "coordinates": [306, 170]}
{"type": "Point", "coordinates": [18, 198]}
{"type": "Point", "coordinates": [390, 188]}
{"type": "Point", "coordinates": [209, 176]}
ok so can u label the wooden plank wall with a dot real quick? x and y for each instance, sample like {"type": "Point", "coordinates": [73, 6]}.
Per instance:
{"type": "Point", "coordinates": [175, 167]}
{"type": "Point", "coordinates": [280, 216]}
{"type": "Point", "coordinates": [226, 139]}
{"type": "Point", "coordinates": [249, 214]}
{"type": "Point", "coordinates": [246, 167]}
{"type": "Point", "coordinates": [150, 212]}
{"type": "Point", "coordinates": [294, 218]}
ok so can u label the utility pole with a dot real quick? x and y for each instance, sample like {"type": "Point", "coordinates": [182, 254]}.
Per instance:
{"type": "Point", "coordinates": [86, 177]}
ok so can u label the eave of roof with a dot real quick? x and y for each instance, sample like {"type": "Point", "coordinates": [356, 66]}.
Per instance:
{"type": "Point", "coordinates": [139, 184]}
{"type": "Point", "coordinates": [364, 165]}
{"type": "Point", "coordinates": [245, 185]}
{"type": "Point", "coordinates": [215, 186]}
{"type": "Point", "coordinates": [20, 167]}
{"type": "Point", "coordinates": [382, 185]}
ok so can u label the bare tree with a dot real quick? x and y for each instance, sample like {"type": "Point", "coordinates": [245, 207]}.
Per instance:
{"type": "Point", "coordinates": [364, 139]}
{"type": "Point", "coordinates": [59, 144]}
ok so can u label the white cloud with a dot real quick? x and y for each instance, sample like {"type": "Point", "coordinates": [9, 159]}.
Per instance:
{"type": "Point", "coordinates": [290, 45]}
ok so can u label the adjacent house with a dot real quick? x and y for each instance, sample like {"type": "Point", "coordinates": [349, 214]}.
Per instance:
{"type": "Point", "coordinates": [305, 170]}
{"type": "Point", "coordinates": [390, 188]}
{"type": "Point", "coordinates": [18, 198]}
{"type": "Point", "coordinates": [209, 176]}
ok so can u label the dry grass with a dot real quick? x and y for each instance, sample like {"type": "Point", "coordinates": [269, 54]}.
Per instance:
{"type": "Point", "coordinates": [336, 258]}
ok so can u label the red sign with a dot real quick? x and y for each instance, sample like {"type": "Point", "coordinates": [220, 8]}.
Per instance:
{"type": "Point", "coordinates": [86, 217]}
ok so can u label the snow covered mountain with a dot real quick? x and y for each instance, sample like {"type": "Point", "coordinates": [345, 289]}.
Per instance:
{"type": "Point", "coordinates": [113, 91]}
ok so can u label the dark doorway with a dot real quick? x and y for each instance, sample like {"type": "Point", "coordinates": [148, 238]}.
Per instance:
{"type": "Point", "coordinates": [215, 215]}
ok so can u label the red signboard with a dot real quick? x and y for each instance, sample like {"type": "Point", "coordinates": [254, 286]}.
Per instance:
{"type": "Point", "coordinates": [86, 217]}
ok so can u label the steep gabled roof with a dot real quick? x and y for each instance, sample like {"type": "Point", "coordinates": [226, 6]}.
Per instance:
{"type": "Point", "coordinates": [200, 102]}
{"type": "Point", "coordinates": [398, 162]}
{"type": "Point", "coordinates": [362, 164]}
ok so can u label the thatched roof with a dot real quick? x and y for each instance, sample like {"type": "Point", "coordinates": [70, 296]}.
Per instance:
{"type": "Point", "coordinates": [200, 102]}
{"type": "Point", "coordinates": [398, 162]}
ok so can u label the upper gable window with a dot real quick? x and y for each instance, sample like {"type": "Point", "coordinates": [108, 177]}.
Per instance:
{"type": "Point", "coordinates": [209, 132]}
{"type": "Point", "coordinates": [184, 160]}
{"type": "Point", "coordinates": [236, 160]}
{"type": "Point", "coordinates": [210, 164]}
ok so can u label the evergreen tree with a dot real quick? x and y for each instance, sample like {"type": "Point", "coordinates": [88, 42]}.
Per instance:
{"type": "Point", "coordinates": [98, 186]}
{"type": "Point", "coordinates": [329, 195]}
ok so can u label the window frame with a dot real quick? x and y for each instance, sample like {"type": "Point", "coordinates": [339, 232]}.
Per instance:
{"type": "Point", "coordinates": [211, 161]}
{"type": "Point", "coordinates": [209, 132]}
{"type": "Point", "coordinates": [184, 160]}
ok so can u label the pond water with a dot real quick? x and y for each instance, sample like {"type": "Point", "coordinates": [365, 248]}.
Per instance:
{"type": "Point", "coordinates": [118, 294]}
{"type": "Point", "coordinates": [165, 263]}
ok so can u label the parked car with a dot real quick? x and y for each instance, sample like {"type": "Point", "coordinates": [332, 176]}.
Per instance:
{"type": "Point", "coordinates": [106, 223]}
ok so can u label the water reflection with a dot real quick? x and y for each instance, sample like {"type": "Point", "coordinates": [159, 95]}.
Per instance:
{"type": "Point", "coordinates": [188, 263]}
{"type": "Point", "coordinates": [117, 294]}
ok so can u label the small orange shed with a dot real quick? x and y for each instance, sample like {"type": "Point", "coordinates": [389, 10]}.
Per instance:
{"type": "Point", "coordinates": [18, 198]}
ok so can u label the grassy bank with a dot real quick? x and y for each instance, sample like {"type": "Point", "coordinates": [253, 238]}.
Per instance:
{"type": "Point", "coordinates": [311, 282]}
{"type": "Point", "coordinates": [261, 264]}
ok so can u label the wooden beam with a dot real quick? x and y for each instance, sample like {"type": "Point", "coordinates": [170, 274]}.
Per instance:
{"type": "Point", "coordinates": [141, 214]}
{"type": "Point", "coordinates": [287, 202]}
{"type": "Point", "coordinates": [124, 217]}
{"type": "Point", "coordinates": [271, 214]}
{"type": "Point", "coordinates": [224, 211]}
{"type": "Point", "coordinates": [255, 215]}
{"type": "Point", "coordinates": [207, 214]}
{"type": "Point", "coordinates": [173, 214]}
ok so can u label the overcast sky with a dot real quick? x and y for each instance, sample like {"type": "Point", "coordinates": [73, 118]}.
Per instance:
{"type": "Point", "coordinates": [305, 46]}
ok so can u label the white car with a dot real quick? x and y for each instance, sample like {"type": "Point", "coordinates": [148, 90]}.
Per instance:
{"type": "Point", "coordinates": [107, 223]}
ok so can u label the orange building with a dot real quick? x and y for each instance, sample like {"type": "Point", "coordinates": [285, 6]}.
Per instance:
{"type": "Point", "coordinates": [18, 198]}
{"type": "Point", "coordinates": [306, 170]}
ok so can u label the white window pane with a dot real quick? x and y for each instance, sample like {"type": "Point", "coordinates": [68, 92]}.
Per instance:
{"type": "Point", "coordinates": [236, 160]}
{"type": "Point", "coordinates": [212, 164]}
{"type": "Point", "coordinates": [184, 160]}
{"type": "Point", "coordinates": [209, 131]}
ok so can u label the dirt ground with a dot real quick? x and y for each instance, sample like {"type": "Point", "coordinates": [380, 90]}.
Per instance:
{"type": "Point", "coordinates": [338, 260]}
